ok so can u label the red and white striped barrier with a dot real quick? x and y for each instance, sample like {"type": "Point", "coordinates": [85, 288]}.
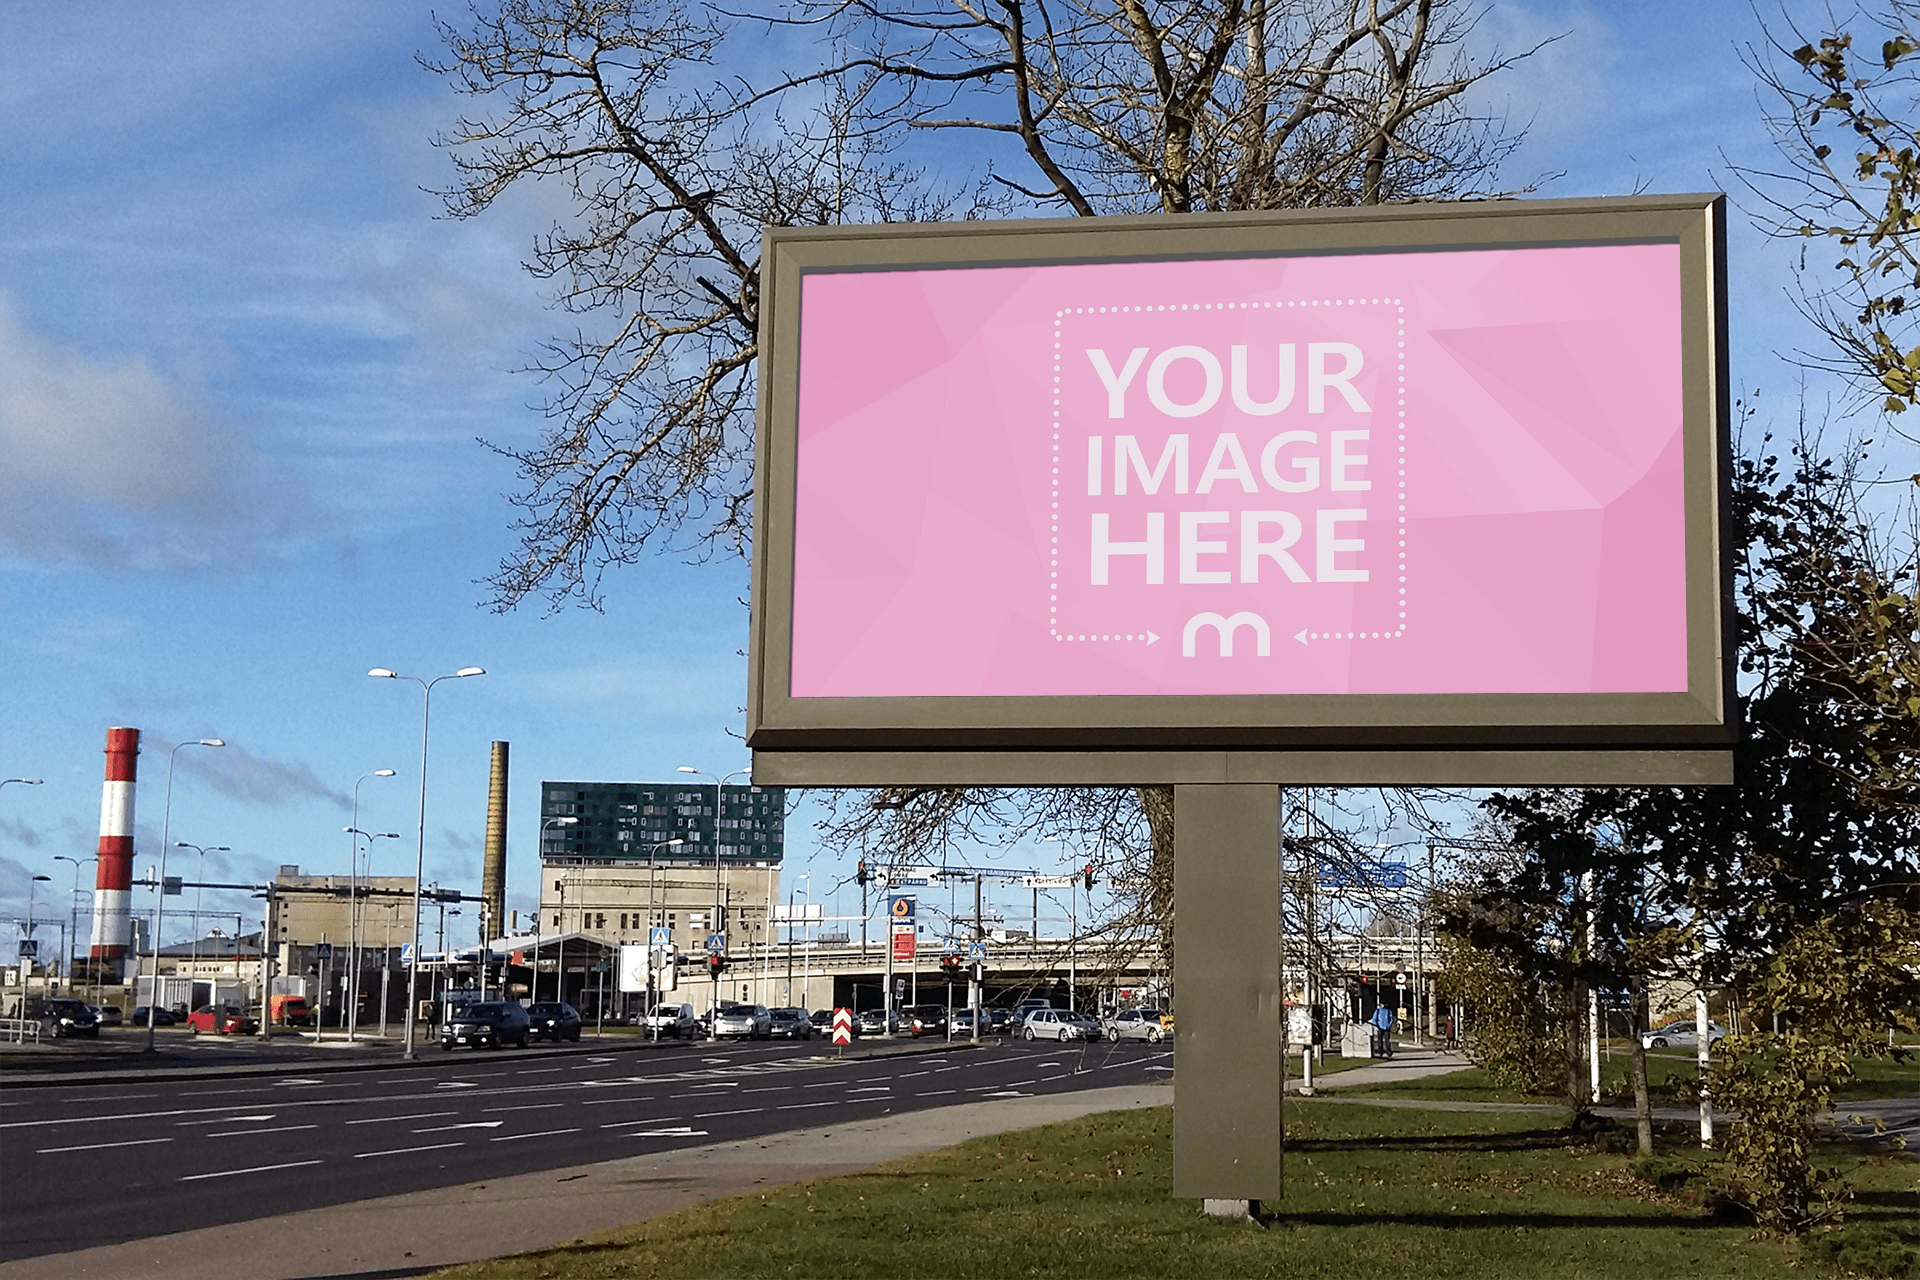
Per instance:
{"type": "Point", "coordinates": [843, 1026]}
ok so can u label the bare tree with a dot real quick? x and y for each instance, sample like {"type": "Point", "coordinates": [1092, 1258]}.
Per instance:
{"type": "Point", "coordinates": [672, 166]}
{"type": "Point", "coordinates": [673, 160]}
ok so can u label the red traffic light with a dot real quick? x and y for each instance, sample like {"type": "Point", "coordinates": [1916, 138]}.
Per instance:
{"type": "Point", "coordinates": [1087, 872]}
{"type": "Point", "coordinates": [716, 964]}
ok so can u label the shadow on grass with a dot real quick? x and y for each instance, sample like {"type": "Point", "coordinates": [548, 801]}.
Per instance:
{"type": "Point", "coordinates": [1505, 1221]}
{"type": "Point", "coordinates": [1446, 1143]}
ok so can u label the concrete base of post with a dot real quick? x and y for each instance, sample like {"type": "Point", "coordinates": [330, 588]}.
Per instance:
{"type": "Point", "coordinates": [1238, 1209]}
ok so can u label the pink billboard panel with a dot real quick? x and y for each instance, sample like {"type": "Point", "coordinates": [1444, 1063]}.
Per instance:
{"type": "Point", "coordinates": [1442, 472]}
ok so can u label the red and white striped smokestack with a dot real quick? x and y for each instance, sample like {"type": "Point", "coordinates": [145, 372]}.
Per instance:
{"type": "Point", "coordinates": [113, 885]}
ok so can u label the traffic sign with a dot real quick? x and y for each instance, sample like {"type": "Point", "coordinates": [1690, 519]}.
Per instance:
{"type": "Point", "coordinates": [660, 936]}
{"type": "Point", "coordinates": [29, 949]}
{"type": "Point", "coordinates": [977, 953]}
{"type": "Point", "coordinates": [323, 951]}
{"type": "Point", "coordinates": [1047, 882]}
{"type": "Point", "coordinates": [843, 1026]}
{"type": "Point", "coordinates": [716, 943]}
{"type": "Point", "coordinates": [1399, 979]}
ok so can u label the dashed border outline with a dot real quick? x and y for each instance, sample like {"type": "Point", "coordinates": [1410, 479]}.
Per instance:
{"type": "Point", "coordinates": [1400, 310]}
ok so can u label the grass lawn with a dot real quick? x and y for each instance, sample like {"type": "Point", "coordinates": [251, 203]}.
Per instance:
{"type": "Point", "coordinates": [1372, 1191]}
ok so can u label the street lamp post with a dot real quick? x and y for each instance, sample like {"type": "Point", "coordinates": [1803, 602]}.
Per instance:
{"type": "Point", "coordinates": [355, 952]}
{"type": "Point", "coordinates": [73, 915]}
{"type": "Point", "coordinates": [199, 867]}
{"type": "Point", "coordinates": [353, 897]}
{"type": "Point", "coordinates": [653, 920]}
{"type": "Point", "coordinates": [160, 901]}
{"type": "Point", "coordinates": [31, 782]}
{"type": "Point", "coordinates": [719, 786]}
{"type": "Point", "coordinates": [533, 986]}
{"type": "Point", "coordinates": [26, 969]}
{"type": "Point", "coordinates": [420, 853]}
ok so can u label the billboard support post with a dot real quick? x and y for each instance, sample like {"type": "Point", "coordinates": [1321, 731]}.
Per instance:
{"type": "Point", "coordinates": [1227, 1133]}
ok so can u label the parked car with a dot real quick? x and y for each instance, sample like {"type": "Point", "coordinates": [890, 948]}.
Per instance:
{"type": "Point", "coordinates": [789, 1024]}
{"type": "Point", "coordinates": [1018, 1018]}
{"type": "Point", "coordinates": [554, 1020]}
{"type": "Point", "coordinates": [1059, 1024]}
{"type": "Point", "coordinates": [962, 1023]}
{"type": "Point", "coordinates": [107, 1015]}
{"type": "Point", "coordinates": [742, 1022]}
{"type": "Point", "coordinates": [57, 1017]}
{"type": "Point", "coordinates": [674, 1020]}
{"type": "Point", "coordinates": [822, 1021]}
{"type": "Point", "coordinates": [487, 1024]}
{"type": "Point", "coordinates": [161, 1018]}
{"type": "Point", "coordinates": [924, 1020]}
{"type": "Point", "coordinates": [1136, 1024]}
{"type": "Point", "coordinates": [222, 1019]}
{"type": "Point", "coordinates": [999, 1021]}
{"type": "Point", "coordinates": [874, 1022]}
{"type": "Point", "coordinates": [1681, 1035]}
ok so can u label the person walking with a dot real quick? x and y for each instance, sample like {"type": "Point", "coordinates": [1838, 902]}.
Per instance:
{"type": "Point", "coordinates": [1383, 1031]}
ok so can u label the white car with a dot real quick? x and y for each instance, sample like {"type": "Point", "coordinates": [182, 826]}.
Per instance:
{"type": "Point", "coordinates": [1680, 1035]}
{"type": "Point", "coordinates": [1059, 1024]}
{"type": "Point", "coordinates": [742, 1022]}
{"type": "Point", "coordinates": [674, 1020]}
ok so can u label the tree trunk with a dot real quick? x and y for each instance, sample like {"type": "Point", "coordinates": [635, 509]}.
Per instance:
{"type": "Point", "coordinates": [1642, 1104]}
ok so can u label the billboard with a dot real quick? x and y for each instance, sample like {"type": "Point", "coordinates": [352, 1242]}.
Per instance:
{"type": "Point", "coordinates": [1447, 476]}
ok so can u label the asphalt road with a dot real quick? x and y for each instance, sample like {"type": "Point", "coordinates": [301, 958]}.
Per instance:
{"type": "Point", "coordinates": [171, 1155]}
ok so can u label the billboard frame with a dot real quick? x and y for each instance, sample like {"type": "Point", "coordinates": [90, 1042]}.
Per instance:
{"type": "Point", "coordinates": [1438, 739]}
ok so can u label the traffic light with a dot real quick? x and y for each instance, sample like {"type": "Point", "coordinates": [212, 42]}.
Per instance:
{"type": "Point", "coordinates": [1087, 873]}
{"type": "Point", "coordinates": [954, 967]}
{"type": "Point", "coordinates": [860, 872]}
{"type": "Point", "coordinates": [716, 964]}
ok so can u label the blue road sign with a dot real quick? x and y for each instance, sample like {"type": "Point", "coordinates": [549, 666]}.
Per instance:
{"type": "Point", "coordinates": [29, 949]}
{"type": "Point", "coordinates": [323, 951]}
{"type": "Point", "coordinates": [1364, 873]}
{"type": "Point", "coordinates": [717, 943]}
{"type": "Point", "coordinates": [660, 936]}
{"type": "Point", "coordinates": [901, 906]}
{"type": "Point", "coordinates": [977, 953]}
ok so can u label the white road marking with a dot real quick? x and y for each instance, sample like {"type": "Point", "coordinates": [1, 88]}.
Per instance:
{"type": "Point", "coordinates": [601, 1102]}
{"type": "Point", "coordinates": [935, 1093]}
{"type": "Point", "coordinates": [681, 1132]}
{"type": "Point", "coordinates": [515, 1137]}
{"type": "Point", "coordinates": [749, 1111]}
{"type": "Point", "coordinates": [621, 1124]}
{"type": "Point", "coordinates": [283, 1128]}
{"type": "Point", "coordinates": [181, 1124]}
{"type": "Point", "coordinates": [531, 1106]}
{"type": "Point", "coordinates": [801, 1106]}
{"type": "Point", "coordinates": [419, 1115]}
{"type": "Point", "coordinates": [259, 1168]}
{"type": "Point", "coordinates": [470, 1124]}
{"type": "Point", "coordinates": [109, 1097]}
{"type": "Point", "coordinates": [872, 1088]}
{"type": "Point", "coordinates": [407, 1151]}
{"type": "Point", "coordinates": [101, 1146]}
{"type": "Point", "coordinates": [456, 1084]}
{"type": "Point", "coordinates": [539, 1071]}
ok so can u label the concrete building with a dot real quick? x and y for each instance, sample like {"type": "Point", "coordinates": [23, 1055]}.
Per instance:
{"type": "Point", "coordinates": [615, 856]}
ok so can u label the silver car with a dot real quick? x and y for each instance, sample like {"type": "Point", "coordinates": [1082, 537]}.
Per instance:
{"type": "Point", "coordinates": [1681, 1035]}
{"type": "Point", "coordinates": [1059, 1024]}
{"type": "Point", "coordinates": [1136, 1024]}
{"type": "Point", "coordinates": [743, 1022]}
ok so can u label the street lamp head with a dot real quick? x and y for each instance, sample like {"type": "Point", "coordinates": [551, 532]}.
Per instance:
{"type": "Point", "coordinates": [212, 742]}
{"type": "Point", "coordinates": [471, 671]}
{"type": "Point", "coordinates": [382, 773]}
{"type": "Point", "coordinates": [674, 841]}
{"type": "Point", "coordinates": [381, 673]}
{"type": "Point", "coordinates": [32, 782]}
{"type": "Point", "coordinates": [47, 878]}
{"type": "Point", "coordinates": [686, 768]}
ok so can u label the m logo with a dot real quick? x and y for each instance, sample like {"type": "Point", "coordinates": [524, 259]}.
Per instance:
{"type": "Point", "coordinates": [1262, 637]}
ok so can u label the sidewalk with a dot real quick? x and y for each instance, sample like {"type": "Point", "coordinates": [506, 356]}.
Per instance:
{"type": "Point", "coordinates": [417, 1232]}
{"type": "Point", "coordinates": [1407, 1063]}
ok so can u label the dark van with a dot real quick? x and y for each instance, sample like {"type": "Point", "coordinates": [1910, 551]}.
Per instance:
{"type": "Point", "coordinates": [58, 1018]}
{"type": "Point", "coordinates": [486, 1024]}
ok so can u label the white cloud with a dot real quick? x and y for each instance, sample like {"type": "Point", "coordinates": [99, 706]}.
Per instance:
{"type": "Point", "coordinates": [110, 464]}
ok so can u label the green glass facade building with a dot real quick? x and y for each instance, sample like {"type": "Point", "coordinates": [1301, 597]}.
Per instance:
{"type": "Point", "coordinates": [618, 822]}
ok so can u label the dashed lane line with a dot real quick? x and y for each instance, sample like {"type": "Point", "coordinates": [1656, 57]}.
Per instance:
{"type": "Point", "coordinates": [407, 1151]}
{"type": "Point", "coordinates": [283, 1128]}
{"type": "Point", "coordinates": [259, 1168]}
{"type": "Point", "coordinates": [515, 1137]}
{"type": "Point", "coordinates": [101, 1146]}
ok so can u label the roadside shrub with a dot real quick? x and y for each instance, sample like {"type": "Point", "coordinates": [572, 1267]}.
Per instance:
{"type": "Point", "coordinates": [1865, 1251]}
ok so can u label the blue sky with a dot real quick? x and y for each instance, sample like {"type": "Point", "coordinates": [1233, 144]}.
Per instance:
{"type": "Point", "coordinates": [243, 366]}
